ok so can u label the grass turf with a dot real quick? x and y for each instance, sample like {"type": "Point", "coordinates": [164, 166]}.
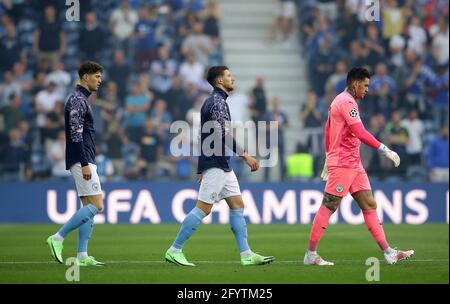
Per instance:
{"type": "Point", "coordinates": [135, 254]}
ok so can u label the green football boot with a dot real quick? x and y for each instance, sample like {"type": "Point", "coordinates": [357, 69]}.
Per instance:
{"type": "Point", "coordinates": [89, 261]}
{"type": "Point", "coordinates": [256, 259]}
{"type": "Point", "coordinates": [177, 258]}
{"type": "Point", "coordinates": [56, 248]}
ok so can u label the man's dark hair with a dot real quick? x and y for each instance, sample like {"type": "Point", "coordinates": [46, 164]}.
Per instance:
{"type": "Point", "coordinates": [214, 73]}
{"type": "Point", "coordinates": [89, 67]}
{"type": "Point", "coordinates": [358, 74]}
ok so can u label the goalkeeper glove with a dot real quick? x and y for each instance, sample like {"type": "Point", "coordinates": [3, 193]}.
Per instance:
{"type": "Point", "coordinates": [390, 154]}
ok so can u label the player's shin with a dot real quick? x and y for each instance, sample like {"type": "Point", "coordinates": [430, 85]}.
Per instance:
{"type": "Point", "coordinates": [84, 234]}
{"type": "Point", "coordinates": [318, 227]}
{"type": "Point", "coordinates": [82, 216]}
{"type": "Point", "coordinates": [375, 228]}
{"type": "Point", "coordinates": [239, 228]}
{"type": "Point", "coordinates": [189, 225]}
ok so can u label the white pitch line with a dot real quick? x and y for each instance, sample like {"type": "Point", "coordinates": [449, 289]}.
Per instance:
{"type": "Point", "coordinates": [201, 262]}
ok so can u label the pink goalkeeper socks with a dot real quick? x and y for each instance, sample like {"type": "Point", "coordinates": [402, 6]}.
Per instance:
{"type": "Point", "coordinates": [375, 228]}
{"type": "Point", "coordinates": [318, 228]}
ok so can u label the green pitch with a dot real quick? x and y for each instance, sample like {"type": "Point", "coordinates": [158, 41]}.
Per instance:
{"type": "Point", "coordinates": [135, 254]}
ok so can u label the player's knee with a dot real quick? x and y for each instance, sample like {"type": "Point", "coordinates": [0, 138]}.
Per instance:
{"type": "Point", "coordinates": [331, 206]}
{"type": "Point", "coordinates": [371, 204]}
{"type": "Point", "coordinates": [99, 206]}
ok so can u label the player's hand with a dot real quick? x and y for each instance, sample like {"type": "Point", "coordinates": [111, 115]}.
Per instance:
{"type": "Point", "coordinates": [251, 162]}
{"type": "Point", "coordinates": [390, 154]}
{"type": "Point", "coordinates": [324, 174]}
{"type": "Point", "coordinates": [86, 171]}
{"type": "Point", "coordinates": [199, 181]}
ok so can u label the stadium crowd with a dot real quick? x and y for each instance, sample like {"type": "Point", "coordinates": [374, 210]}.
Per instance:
{"type": "Point", "coordinates": [155, 54]}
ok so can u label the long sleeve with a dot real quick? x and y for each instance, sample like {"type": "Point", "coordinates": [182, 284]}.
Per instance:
{"type": "Point", "coordinates": [220, 113]}
{"type": "Point", "coordinates": [364, 135]}
{"type": "Point", "coordinates": [76, 122]}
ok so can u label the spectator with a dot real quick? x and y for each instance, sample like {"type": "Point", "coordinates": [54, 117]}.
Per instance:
{"type": "Point", "coordinates": [56, 152]}
{"type": "Point", "coordinates": [383, 89]}
{"type": "Point", "coordinates": [440, 41]}
{"type": "Point", "coordinates": [238, 103]}
{"type": "Point", "coordinates": [61, 78]}
{"type": "Point", "coordinates": [322, 66]}
{"type": "Point", "coordinates": [282, 27]}
{"type": "Point", "coordinates": [162, 119]}
{"type": "Point", "coordinates": [347, 26]}
{"type": "Point", "coordinates": [440, 97]}
{"type": "Point", "coordinates": [280, 118]}
{"type": "Point", "coordinates": [132, 164]}
{"type": "Point", "coordinates": [397, 60]}
{"type": "Point", "coordinates": [151, 148]}
{"type": "Point", "coordinates": [146, 42]}
{"type": "Point", "coordinates": [8, 88]}
{"type": "Point", "coordinates": [120, 72]}
{"type": "Point", "coordinates": [122, 24]}
{"type": "Point", "coordinates": [54, 122]}
{"type": "Point", "coordinates": [198, 43]}
{"type": "Point", "coordinates": [418, 79]}
{"type": "Point", "coordinates": [336, 82]}
{"type": "Point", "coordinates": [13, 157]}
{"type": "Point", "coordinates": [176, 97]}
{"type": "Point", "coordinates": [371, 158]}
{"type": "Point", "coordinates": [438, 157]}
{"type": "Point", "coordinates": [415, 129]}
{"type": "Point", "coordinates": [50, 49]}
{"type": "Point", "coordinates": [162, 70]}
{"type": "Point", "coordinates": [12, 115]}
{"type": "Point", "coordinates": [110, 104]}
{"type": "Point", "coordinates": [212, 16]}
{"type": "Point", "coordinates": [45, 103]}
{"type": "Point", "coordinates": [373, 43]}
{"type": "Point", "coordinates": [137, 106]}
{"type": "Point", "coordinates": [92, 38]}
{"type": "Point", "coordinates": [311, 117]}
{"type": "Point", "coordinates": [397, 139]}
{"type": "Point", "coordinates": [310, 113]}
{"type": "Point", "coordinates": [105, 167]}
{"type": "Point", "coordinates": [191, 70]}
{"type": "Point", "coordinates": [114, 140]}
{"type": "Point", "coordinates": [393, 19]}
{"type": "Point", "coordinates": [258, 105]}
{"type": "Point", "coordinates": [11, 50]}
{"type": "Point", "coordinates": [417, 36]}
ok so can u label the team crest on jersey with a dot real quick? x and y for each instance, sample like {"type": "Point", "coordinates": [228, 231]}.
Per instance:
{"type": "Point", "coordinates": [339, 188]}
{"type": "Point", "coordinates": [95, 186]}
{"type": "Point", "coordinates": [214, 196]}
{"type": "Point", "coordinates": [353, 113]}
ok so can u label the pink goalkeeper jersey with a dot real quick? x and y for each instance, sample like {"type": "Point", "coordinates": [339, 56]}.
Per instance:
{"type": "Point", "coordinates": [341, 145]}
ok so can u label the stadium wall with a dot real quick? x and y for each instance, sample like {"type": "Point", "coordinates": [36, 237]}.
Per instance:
{"type": "Point", "coordinates": [266, 203]}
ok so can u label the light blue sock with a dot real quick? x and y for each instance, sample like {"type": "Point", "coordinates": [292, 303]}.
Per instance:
{"type": "Point", "coordinates": [79, 218]}
{"type": "Point", "coordinates": [190, 224]}
{"type": "Point", "coordinates": [239, 228]}
{"type": "Point", "coordinates": [84, 235]}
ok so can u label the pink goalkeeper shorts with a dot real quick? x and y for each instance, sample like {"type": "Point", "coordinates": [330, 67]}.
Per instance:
{"type": "Point", "coordinates": [342, 180]}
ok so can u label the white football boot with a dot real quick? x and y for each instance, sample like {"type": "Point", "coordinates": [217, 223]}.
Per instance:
{"type": "Point", "coordinates": [397, 255]}
{"type": "Point", "coordinates": [315, 259]}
